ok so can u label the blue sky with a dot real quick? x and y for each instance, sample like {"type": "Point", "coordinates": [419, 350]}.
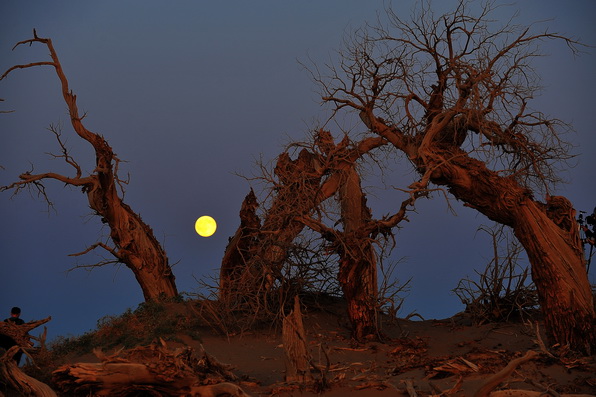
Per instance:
{"type": "Point", "coordinates": [190, 93]}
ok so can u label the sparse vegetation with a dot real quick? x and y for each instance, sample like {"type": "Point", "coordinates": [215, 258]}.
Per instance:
{"type": "Point", "coordinates": [451, 95]}
{"type": "Point", "coordinates": [142, 326]}
{"type": "Point", "coordinates": [504, 290]}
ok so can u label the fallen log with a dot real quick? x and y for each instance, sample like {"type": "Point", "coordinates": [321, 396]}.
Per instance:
{"type": "Point", "coordinates": [10, 373]}
{"type": "Point", "coordinates": [153, 370]}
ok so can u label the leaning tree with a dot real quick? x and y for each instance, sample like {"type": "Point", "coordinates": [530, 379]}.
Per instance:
{"type": "Point", "coordinates": [452, 93]}
{"type": "Point", "coordinates": [253, 264]}
{"type": "Point", "coordinates": [134, 243]}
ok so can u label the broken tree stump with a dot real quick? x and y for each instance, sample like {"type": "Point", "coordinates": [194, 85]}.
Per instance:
{"type": "Point", "coordinates": [294, 342]}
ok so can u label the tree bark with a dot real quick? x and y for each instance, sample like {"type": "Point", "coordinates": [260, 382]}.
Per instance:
{"type": "Point", "coordinates": [302, 185]}
{"type": "Point", "coordinates": [548, 233]}
{"type": "Point", "coordinates": [10, 373]}
{"type": "Point", "coordinates": [136, 245]}
{"type": "Point", "coordinates": [134, 242]}
{"type": "Point", "coordinates": [295, 347]}
{"type": "Point", "coordinates": [549, 237]}
{"type": "Point", "coordinates": [153, 369]}
{"type": "Point", "coordinates": [358, 262]}
{"type": "Point", "coordinates": [553, 247]}
{"type": "Point", "coordinates": [437, 85]}
{"type": "Point", "coordinates": [239, 250]}
{"type": "Point", "coordinates": [559, 274]}
{"type": "Point", "coordinates": [12, 376]}
{"type": "Point", "coordinates": [20, 333]}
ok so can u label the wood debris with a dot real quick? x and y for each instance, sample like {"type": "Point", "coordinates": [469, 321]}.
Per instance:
{"type": "Point", "coordinates": [296, 355]}
{"type": "Point", "coordinates": [153, 370]}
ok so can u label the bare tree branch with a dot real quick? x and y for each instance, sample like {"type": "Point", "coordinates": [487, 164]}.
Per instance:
{"type": "Point", "coordinates": [453, 93]}
{"type": "Point", "coordinates": [134, 242]}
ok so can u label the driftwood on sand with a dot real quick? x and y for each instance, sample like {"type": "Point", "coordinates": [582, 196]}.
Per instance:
{"type": "Point", "coordinates": [154, 370]}
{"type": "Point", "coordinates": [486, 389]}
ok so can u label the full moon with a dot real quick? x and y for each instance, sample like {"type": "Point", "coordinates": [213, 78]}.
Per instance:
{"type": "Point", "coordinates": [205, 226]}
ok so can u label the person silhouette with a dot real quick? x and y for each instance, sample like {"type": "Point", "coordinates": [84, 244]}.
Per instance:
{"type": "Point", "coordinates": [6, 341]}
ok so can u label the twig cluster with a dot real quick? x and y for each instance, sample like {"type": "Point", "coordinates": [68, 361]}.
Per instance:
{"type": "Point", "coordinates": [504, 290]}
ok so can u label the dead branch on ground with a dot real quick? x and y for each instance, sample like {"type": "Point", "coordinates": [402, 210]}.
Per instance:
{"type": "Point", "coordinates": [492, 382]}
{"type": "Point", "coordinates": [154, 369]}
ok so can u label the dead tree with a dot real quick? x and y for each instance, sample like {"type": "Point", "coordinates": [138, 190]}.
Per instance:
{"type": "Point", "coordinates": [452, 94]}
{"type": "Point", "coordinates": [254, 257]}
{"type": "Point", "coordinates": [240, 248]}
{"type": "Point", "coordinates": [134, 243]}
{"type": "Point", "coordinates": [256, 252]}
{"type": "Point", "coordinates": [355, 245]}
{"type": "Point", "coordinates": [358, 260]}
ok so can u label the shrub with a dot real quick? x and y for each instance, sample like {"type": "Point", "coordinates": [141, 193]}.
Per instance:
{"type": "Point", "coordinates": [503, 291]}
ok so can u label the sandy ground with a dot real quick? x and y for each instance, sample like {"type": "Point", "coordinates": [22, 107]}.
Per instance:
{"type": "Point", "coordinates": [448, 357]}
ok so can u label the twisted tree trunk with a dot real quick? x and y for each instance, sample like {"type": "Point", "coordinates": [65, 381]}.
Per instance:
{"type": "Point", "coordinates": [256, 252]}
{"type": "Point", "coordinates": [358, 261]}
{"type": "Point", "coordinates": [546, 231]}
{"type": "Point", "coordinates": [559, 273]}
{"type": "Point", "coordinates": [134, 242]}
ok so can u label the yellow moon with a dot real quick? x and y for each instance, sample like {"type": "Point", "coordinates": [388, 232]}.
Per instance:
{"type": "Point", "coordinates": [205, 226]}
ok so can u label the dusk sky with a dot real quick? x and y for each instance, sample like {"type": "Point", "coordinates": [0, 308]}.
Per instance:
{"type": "Point", "coordinates": [192, 93]}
